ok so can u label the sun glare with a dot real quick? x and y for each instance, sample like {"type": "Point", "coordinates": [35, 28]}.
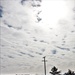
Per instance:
{"type": "Point", "coordinates": [52, 11]}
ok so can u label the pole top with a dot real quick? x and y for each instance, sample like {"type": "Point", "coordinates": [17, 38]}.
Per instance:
{"type": "Point", "coordinates": [44, 56]}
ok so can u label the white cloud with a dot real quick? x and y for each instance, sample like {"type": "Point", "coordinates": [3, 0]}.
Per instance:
{"type": "Point", "coordinates": [24, 40]}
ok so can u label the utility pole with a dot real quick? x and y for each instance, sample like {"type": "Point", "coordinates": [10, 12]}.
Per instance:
{"type": "Point", "coordinates": [44, 64]}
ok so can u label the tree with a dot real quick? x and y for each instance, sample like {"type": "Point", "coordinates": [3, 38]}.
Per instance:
{"type": "Point", "coordinates": [54, 71]}
{"type": "Point", "coordinates": [70, 73]}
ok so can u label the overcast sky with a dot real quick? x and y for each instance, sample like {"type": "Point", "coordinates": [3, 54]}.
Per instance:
{"type": "Point", "coordinates": [32, 29]}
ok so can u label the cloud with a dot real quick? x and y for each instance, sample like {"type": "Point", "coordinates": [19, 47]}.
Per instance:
{"type": "Point", "coordinates": [62, 48]}
{"type": "Point", "coordinates": [54, 51]}
{"type": "Point", "coordinates": [1, 12]}
{"type": "Point", "coordinates": [24, 41]}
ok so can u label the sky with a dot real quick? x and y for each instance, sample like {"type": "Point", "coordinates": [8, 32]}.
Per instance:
{"type": "Point", "coordinates": [32, 29]}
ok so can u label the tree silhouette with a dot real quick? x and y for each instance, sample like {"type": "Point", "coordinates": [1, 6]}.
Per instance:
{"type": "Point", "coordinates": [54, 71]}
{"type": "Point", "coordinates": [70, 73]}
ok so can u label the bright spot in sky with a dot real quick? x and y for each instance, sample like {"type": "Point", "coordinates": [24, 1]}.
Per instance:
{"type": "Point", "coordinates": [52, 11]}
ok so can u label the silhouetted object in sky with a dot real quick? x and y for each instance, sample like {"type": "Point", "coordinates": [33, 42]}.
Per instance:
{"type": "Point", "coordinates": [70, 73]}
{"type": "Point", "coordinates": [54, 71]}
{"type": "Point", "coordinates": [44, 64]}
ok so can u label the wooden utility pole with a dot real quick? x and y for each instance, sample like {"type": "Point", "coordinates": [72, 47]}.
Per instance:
{"type": "Point", "coordinates": [44, 65]}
